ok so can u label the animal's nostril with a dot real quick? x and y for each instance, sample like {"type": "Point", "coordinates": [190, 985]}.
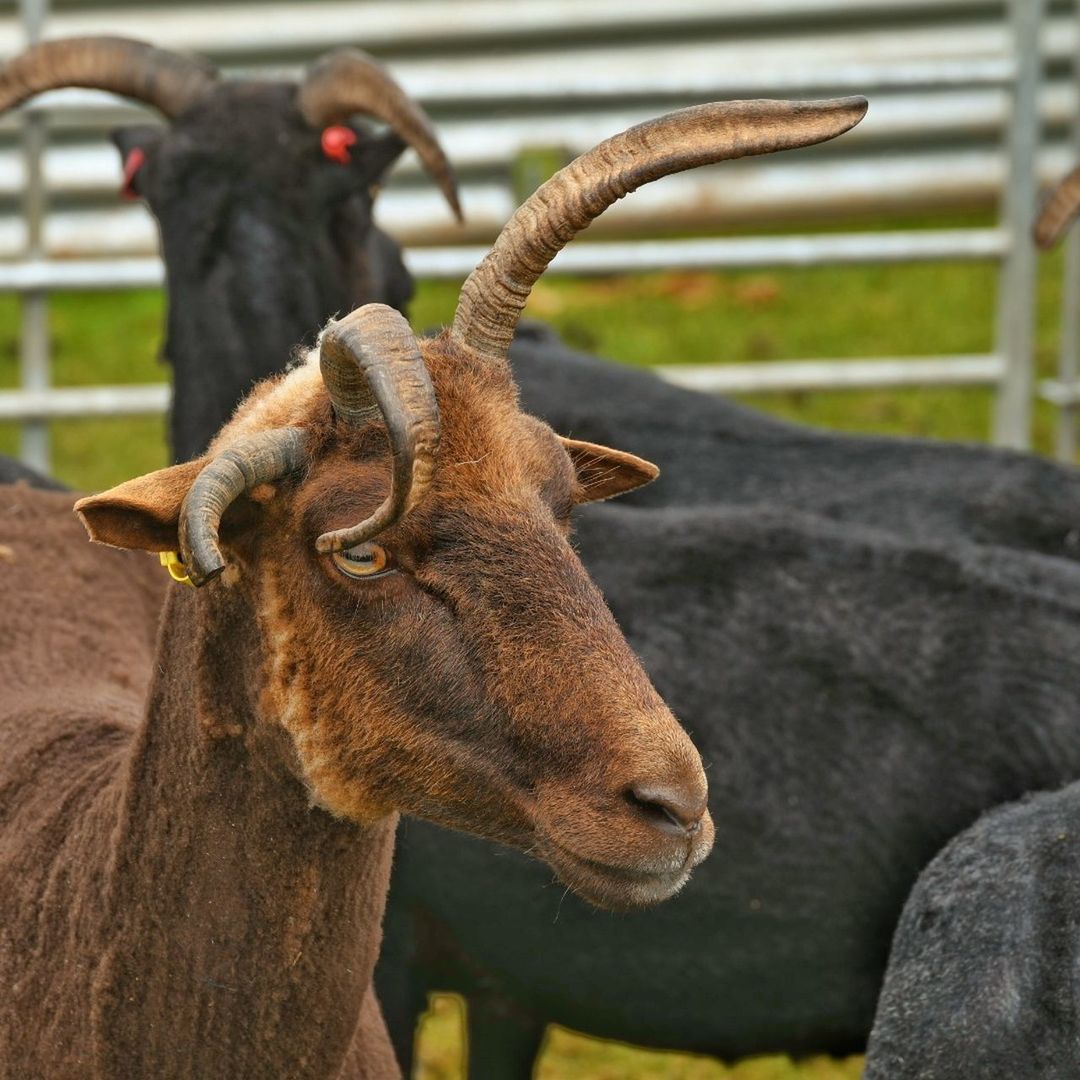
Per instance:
{"type": "Point", "coordinates": [668, 809]}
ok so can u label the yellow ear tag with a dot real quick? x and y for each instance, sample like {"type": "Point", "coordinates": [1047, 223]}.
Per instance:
{"type": "Point", "coordinates": [177, 570]}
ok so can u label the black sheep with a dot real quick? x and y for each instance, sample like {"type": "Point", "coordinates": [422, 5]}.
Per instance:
{"type": "Point", "coordinates": [981, 980]}
{"type": "Point", "coordinates": [263, 192]}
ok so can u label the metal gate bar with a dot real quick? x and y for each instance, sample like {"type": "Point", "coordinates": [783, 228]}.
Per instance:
{"type": "Point", "coordinates": [1064, 391]}
{"type": "Point", "coordinates": [1016, 299]}
{"type": "Point", "coordinates": [34, 348]}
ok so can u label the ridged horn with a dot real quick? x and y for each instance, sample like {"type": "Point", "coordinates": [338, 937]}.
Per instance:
{"type": "Point", "coordinates": [1060, 209]}
{"type": "Point", "coordinates": [495, 293]}
{"type": "Point", "coordinates": [348, 81]}
{"type": "Point", "coordinates": [167, 80]}
{"type": "Point", "coordinates": [371, 364]}
{"type": "Point", "coordinates": [258, 459]}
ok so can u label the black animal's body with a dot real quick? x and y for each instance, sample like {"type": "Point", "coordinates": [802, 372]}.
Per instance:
{"type": "Point", "coordinates": [982, 975]}
{"type": "Point", "coordinates": [15, 472]}
{"type": "Point", "coordinates": [715, 452]}
{"type": "Point", "coordinates": [273, 249]}
{"type": "Point", "coordinates": [857, 700]}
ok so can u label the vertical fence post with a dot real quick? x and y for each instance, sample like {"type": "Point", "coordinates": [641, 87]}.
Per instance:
{"type": "Point", "coordinates": [1016, 288]}
{"type": "Point", "coordinates": [34, 355]}
{"type": "Point", "coordinates": [1069, 361]}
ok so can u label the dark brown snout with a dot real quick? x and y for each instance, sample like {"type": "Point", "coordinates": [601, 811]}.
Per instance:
{"type": "Point", "coordinates": [627, 831]}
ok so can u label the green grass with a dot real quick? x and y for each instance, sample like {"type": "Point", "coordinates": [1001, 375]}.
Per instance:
{"type": "Point", "coordinates": [673, 317]}
{"type": "Point", "coordinates": [97, 338]}
{"type": "Point", "coordinates": [568, 1056]}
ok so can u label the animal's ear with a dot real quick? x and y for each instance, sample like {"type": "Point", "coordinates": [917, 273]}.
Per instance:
{"type": "Point", "coordinates": [136, 144]}
{"type": "Point", "coordinates": [374, 154]}
{"type": "Point", "coordinates": [603, 473]}
{"type": "Point", "coordinates": [143, 513]}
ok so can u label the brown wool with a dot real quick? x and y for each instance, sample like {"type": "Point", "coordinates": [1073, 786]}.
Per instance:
{"type": "Point", "coordinates": [195, 837]}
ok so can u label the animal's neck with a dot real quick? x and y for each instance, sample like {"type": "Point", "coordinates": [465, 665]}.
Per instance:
{"type": "Point", "coordinates": [238, 323]}
{"type": "Point", "coordinates": [247, 922]}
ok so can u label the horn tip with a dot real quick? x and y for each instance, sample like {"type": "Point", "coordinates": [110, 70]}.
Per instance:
{"type": "Point", "coordinates": [853, 109]}
{"type": "Point", "coordinates": [1045, 235]}
{"type": "Point", "coordinates": [200, 574]}
{"type": "Point", "coordinates": [328, 543]}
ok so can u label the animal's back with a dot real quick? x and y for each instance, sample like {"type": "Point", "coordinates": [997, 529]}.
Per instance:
{"type": "Point", "coordinates": [981, 980]}
{"type": "Point", "coordinates": [77, 621]}
{"type": "Point", "coordinates": [77, 630]}
{"type": "Point", "coordinates": [15, 472]}
{"type": "Point", "coordinates": [714, 452]}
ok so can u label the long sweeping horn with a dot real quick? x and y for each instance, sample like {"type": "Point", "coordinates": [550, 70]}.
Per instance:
{"type": "Point", "coordinates": [1060, 209]}
{"type": "Point", "coordinates": [348, 81]}
{"type": "Point", "coordinates": [371, 365]}
{"type": "Point", "coordinates": [496, 291]}
{"type": "Point", "coordinates": [167, 80]}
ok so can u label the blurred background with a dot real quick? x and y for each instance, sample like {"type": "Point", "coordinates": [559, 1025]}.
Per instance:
{"type": "Point", "coordinates": [883, 282]}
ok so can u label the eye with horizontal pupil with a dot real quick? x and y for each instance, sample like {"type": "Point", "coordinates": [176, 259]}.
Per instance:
{"type": "Point", "coordinates": [362, 560]}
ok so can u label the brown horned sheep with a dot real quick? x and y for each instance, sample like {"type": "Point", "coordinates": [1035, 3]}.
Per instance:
{"type": "Point", "coordinates": [193, 874]}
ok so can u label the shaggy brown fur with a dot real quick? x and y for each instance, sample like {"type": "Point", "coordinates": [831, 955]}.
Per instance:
{"type": "Point", "coordinates": [192, 873]}
{"type": "Point", "coordinates": [190, 949]}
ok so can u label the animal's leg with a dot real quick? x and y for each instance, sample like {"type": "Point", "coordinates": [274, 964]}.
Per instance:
{"type": "Point", "coordinates": [370, 1056]}
{"type": "Point", "coordinates": [403, 981]}
{"type": "Point", "coordinates": [403, 1013]}
{"type": "Point", "coordinates": [503, 1039]}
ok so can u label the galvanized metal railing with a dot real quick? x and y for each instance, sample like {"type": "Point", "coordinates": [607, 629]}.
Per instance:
{"type": "Point", "coordinates": [936, 84]}
{"type": "Point", "coordinates": [1064, 391]}
{"type": "Point", "coordinates": [34, 348]}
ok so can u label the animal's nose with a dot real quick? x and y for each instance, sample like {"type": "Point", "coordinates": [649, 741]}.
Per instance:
{"type": "Point", "coordinates": [670, 809]}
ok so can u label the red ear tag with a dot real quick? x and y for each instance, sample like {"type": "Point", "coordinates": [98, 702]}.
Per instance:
{"type": "Point", "coordinates": [132, 164]}
{"type": "Point", "coordinates": [336, 141]}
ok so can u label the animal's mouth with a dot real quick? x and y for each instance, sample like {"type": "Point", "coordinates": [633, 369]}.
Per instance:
{"type": "Point", "coordinates": [616, 887]}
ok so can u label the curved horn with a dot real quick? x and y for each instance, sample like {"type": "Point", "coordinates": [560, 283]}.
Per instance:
{"type": "Point", "coordinates": [371, 364]}
{"type": "Point", "coordinates": [496, 291]}
{"type": "Point", "coordinates": [1060, 209]}
{"type": "Point", "coordinates": [349, 81]}
{"type": "Point", "coordinates": [170, 82]}
{"type": "Point", "coordinates": [255, 460]}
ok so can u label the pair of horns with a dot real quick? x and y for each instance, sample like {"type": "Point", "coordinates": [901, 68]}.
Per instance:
{"type": "Point", "coordinates": [372, 368]}
{"type": "Point", "coordinates": [337, 86]}
{"type": "Point", "coordinates": [1060, 209]}
{"type": "Point", "coordinates": [371, 362]}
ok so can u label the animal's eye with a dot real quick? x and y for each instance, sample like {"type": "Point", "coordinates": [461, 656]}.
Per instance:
{"type": "Point", "coordinates": [362, 560]}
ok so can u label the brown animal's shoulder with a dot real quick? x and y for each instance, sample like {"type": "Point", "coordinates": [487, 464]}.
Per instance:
{"type": "Point", "coordinates": [98, 629]}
